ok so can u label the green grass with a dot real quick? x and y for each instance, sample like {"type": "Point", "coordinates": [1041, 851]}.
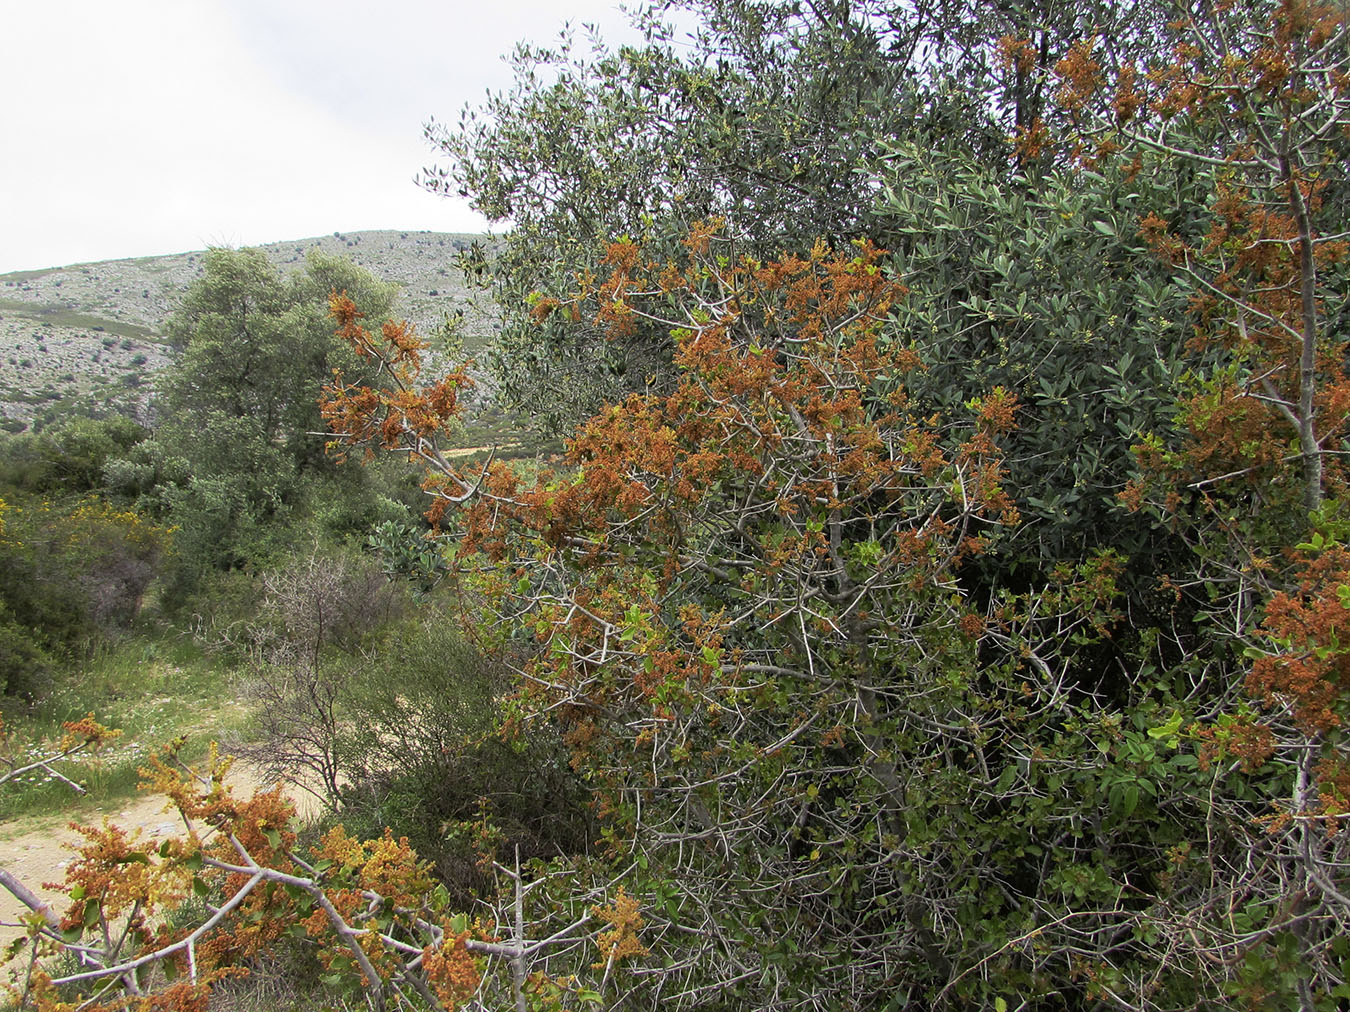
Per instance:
{"type": "Point", "coordinates": [27, 275]}
{"type": "Point", "coordinates": [21, 396]}
{"type": "Point", "coordinates": [509, 432]}
{"type": "Point", "coordinates": [153, 689]}
{"type": "Point", "coordinates": [63, 316]}
{"type": "Point", "coordinates": [155, 264]}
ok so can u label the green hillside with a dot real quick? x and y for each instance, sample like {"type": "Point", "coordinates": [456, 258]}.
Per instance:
{"type": "Point", "coordinates": [92, 334]}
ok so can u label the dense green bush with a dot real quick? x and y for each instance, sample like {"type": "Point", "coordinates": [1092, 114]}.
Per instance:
{"type": "Point", "coordinates": [390, 718]}
{"type": "Point", "coordinates": [71, 575]}
{"type": "Point", "coordinates": [67, 458]}
{"type": "Point", "coordinates": [236, 463]}
{"type": "Point", "coordinates": [432, 765]}
{"type": "Point", "coordinates": [25, 667]}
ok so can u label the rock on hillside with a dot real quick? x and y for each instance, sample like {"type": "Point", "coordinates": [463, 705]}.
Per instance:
{"type": "Point", "coordinates": [93, 334]}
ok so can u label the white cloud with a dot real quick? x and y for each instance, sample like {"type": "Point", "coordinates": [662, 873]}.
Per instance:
{"type": "Point", "coordinates": [154, 126]}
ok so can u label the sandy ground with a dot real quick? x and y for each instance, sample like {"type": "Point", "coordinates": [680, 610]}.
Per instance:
{"type": "Point", "coordinates": [35, 848]}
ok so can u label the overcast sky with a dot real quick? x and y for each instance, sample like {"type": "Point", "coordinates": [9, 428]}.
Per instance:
{"type": "Point", "coordinates": [138, 127]}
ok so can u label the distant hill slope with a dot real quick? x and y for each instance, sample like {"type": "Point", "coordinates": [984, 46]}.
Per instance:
{"type": "Point", "coordinates": [93, 334]}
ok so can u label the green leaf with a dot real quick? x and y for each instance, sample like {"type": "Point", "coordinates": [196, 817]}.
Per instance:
{"type": "Point", "coordinates": [440, 898]}
{"type": "Point", "coordinates": [1167, 732]}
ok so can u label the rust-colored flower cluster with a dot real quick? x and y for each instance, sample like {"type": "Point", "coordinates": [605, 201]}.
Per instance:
{"type": "Point", "coordinates": [1308, 669]}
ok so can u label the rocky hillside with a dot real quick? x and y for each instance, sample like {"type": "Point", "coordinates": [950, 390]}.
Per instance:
{"type": "Point", "coordinates": [92, 334]}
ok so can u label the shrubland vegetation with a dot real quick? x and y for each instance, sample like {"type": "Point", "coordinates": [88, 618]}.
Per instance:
{"type": "Point", "coordinates": [938, 603]}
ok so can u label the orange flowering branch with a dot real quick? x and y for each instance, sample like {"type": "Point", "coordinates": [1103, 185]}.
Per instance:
{"type": "Point", "coordinates": [83, 735]}
{"type": "Point", "coordinates": [396, 415]}
{"type": "Point", "coordinates": [1273, 98]}
{"type": "Point", "coordinates": [726, 575]}
{"type": "Point", "coordinates": [378, 920]}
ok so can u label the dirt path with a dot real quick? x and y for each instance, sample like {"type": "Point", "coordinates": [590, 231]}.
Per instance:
{"type": "Point", "coordinates": [34, 848]}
